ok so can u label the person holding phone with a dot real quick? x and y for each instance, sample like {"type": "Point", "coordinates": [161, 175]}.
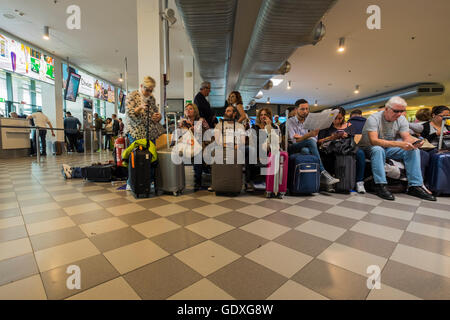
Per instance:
{"type": "Point", "coordinates": [380, 141]}
{"type": "Point", "coordinates": [341, 129]}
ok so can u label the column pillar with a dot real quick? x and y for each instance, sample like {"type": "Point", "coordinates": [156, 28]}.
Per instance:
{"type": "Point", "coordinates": [59, 112]}
{"type": "Point", "coordinates": [188, 79]}
{"type": "Point", "coordinates": [150, 45]}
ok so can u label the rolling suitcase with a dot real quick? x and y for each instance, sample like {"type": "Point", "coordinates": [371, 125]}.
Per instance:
{"type": "Point", "coordinates": [304, 172]}
{"type": "Point", "coordinates": [140, 169]}
{"type": "Point", "coordinates": [439, 168]}
{"type": "Point", "coordinates": [276, 183]}
{"type": "Point", "coordinates": [345, 171]}
{"type": "Point", "coordinates": [227, 178]}
{"type": "Point", "coordinates": [170, 177]}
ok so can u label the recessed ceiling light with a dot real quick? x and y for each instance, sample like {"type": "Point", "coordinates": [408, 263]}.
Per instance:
{"type": "Point", "coordinates": [289, 85]}
{"type": "Point", "coordinates": [46, 35]}
{"type": "Point", "coordinates": [341, 47]}
{"type": "Point", "coordinates": [357, 89]}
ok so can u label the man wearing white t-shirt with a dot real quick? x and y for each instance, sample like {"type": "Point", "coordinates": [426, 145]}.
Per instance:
{"type": "Point", "coordinates": [40, 120]}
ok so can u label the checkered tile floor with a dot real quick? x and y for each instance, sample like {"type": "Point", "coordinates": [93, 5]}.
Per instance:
{"type": "Point", "coordinates": [199, 246]}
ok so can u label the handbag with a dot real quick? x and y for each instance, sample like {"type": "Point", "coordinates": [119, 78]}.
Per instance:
{"type": "Point", "coordinates": [346, 146]}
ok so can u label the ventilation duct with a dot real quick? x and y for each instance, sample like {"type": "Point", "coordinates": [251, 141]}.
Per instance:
{"type": "Point", "coordinates": [419, 90]}
{"type": "Point", "coordinates": [209, 25]}
{"type": "Point", "coordinates": [282, 27]}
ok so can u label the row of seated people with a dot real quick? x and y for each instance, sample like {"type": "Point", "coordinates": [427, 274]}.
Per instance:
{"type": "Point", "coordinates": [384, 135]}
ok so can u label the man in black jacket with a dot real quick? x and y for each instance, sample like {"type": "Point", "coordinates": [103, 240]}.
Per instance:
{"type": "Point", "coordinates": [203, 105]}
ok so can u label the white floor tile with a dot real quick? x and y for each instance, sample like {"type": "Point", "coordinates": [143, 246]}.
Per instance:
{"type": "Point", "coordinates": [280, 259]}
{"type": "Point", "coordinates": [207, 257]}
{"type": "Point", "coordinates": [434, 213]}
{"type": "Point", "coordinates": [351, 259]}
{"type": "Point", "coordinates": [26, 289]}
{"type": "Point", "coordinates": [294, 291]}
{"type": "Point", "coordinates": [82, 208]}
{"type": "Point", "coordinates": [421, 259]}
{"type": "Point", "coordinates": [209, 228]}
{"type": "Point", "coordinates": [40, 208]}
{"type": "Point", "coordinates": [388, 293]}
{"type": "Point", "coordinates": [256, 211]}
{"type": "Point", "coordinates": [102, 226]}
{"type": "Point", "coordinates": [125, 209]}
{"type": "Point", "coordinates": [155, 227]}
{"type": "Point", "coordinates": [168, 210]}
{"type": "Point", "coordinates": [202, 290]}
{"type": "Point", "coordinates": [326, 199]}
{"type": "Point", "coordinates": [302, 212]}
{"type": "Point", "coordinates": [429, 230]}
{"type": "Point", "coordinates": [212, 210]}
{"type": "Point", "coordinates": [364, 200]}
{"type": "Point", "coordinates": [11, 222]}
{"type": "Point", "coordinates": [70, 196]}
{"type": "Point", "coordinates": [49, 225]}
{"type": "Point", "coordinates": [117, 289]}
{"type": "Point", "coordinates": [54, 257]}
{"type": "Point", "coordinates": [135, 255]}
{"type": "Point", "coordinates": [378, 231]}
{"type": "Point", "coordinates": [14, 248]}
{"type": "Point", "coordinates": [393, 213]}
{"type": "Point", "coordinates": [321, 230]}
{"type": "Point", "coordinates": [265, 229]}
{"type": "Point", "coordinates": [347, 212]}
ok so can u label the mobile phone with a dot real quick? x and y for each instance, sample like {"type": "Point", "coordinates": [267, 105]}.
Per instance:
{"type": "Point", "coordinates": [417, 142]}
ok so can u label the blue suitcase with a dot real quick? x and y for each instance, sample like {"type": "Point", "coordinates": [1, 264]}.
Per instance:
{"type": "Point", "coordinates": [304, 174]}
{"type": "Point", "coordinates": [439, 173]}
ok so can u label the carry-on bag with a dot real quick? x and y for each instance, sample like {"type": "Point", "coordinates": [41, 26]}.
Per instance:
{"type": "Point", "coordinates": [98, 173]}
{"type": "Point", "coordinates": [170, 177]}
{"type": "Point", "coordinates": [227, 178]}
{"type": "Point", "coordinates": [439, 168]}
{"type": "Point", "coordinates": [345, 171]}
{"type": "Point", "coordinates": [140, 169]}
{"type": "Point", "coordinates": [276, 183]}
{"type": "Point", "coordinates": [304, 174]}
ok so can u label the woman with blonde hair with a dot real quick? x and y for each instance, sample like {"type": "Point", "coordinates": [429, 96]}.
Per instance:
{"type": "Point", "coordinates": [139, 105]}
{"type": "Point", "coordinates": [192, 122]}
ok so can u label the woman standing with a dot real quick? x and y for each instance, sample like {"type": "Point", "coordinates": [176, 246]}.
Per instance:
{"type": "Point", "coordinates": [139, 105]}
{"type": "Point", "coordinates": [235, 100]}
{"type": "Point", "coordinates": [193, 122]}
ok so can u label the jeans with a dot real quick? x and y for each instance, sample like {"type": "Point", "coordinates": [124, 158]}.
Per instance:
{"type": "Point", "coordinates": [42, 138]}
{"type": "Point", "coordinates": [72, 137]}
{"type": "Point", "coordinates": [99, 139]}
{"type": "Point", "coordinates": [360, 165]}
{"type": "Point", "coordinates": [311, 144]}
{"type": "Point", "coordinates": [411, 159]}
{"type": "Point", "coordinates": [108, 138]}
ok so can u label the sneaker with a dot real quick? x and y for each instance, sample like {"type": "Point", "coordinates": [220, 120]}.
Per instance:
{"type": "Point", "coordinates": [128, 188]}
{"type": "Point", "coordinates": [249, 187]}
{"type": "Point", "coordinates": [327, 179]}
{"type": "Point", "coordinates": [66, 171]}
{"type": "Point", "coordinates": [360, 187]}
{"type": "Point", "coordinates": [210, 189]}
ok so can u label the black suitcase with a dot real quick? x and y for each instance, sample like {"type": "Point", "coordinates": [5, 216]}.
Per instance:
{"type": "Point", "coordinates": [98, 173]}
{"type": "Point", "coordinates": [345, 171]}
{"type": "Point", "coordinates": [140, 169]}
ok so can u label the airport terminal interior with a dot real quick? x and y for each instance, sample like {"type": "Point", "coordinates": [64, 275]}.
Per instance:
{"type": "Point", "coordinates": [64, 236]}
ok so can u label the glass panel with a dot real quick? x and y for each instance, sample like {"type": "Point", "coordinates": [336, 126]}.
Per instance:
{"type": "Point", "coordinates": [3, 93]}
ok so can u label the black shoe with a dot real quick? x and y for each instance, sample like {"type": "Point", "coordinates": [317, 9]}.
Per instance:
{"type": "Point", "coordinates": [383, 192]}
{"type": "Point", "coordinates": [419, 192]}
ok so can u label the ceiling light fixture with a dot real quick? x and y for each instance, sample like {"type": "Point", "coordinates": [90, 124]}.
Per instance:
{"type": "Point", "coordinates": [259, 95]}
{"type": "Point", "coordinates": [341, 47]}
{"type": "Point", "coordinates": [357, 89]}
{"type": "Point", "coordinates": [276, 82]}
{"type": "Point", "coordinates": [268, 100]}
{"type": "Point", "coordinates": [46, 35]}
{"type": "Point", "coordinates": [289, 85]}
{"type": "Point", "coordinates": [121, 78]}
{"type": "Point", "coordinates": [315, 104]}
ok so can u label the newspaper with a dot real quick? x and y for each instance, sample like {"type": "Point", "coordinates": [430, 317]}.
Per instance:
{"type": "Point", "coordinates": [322, 120]}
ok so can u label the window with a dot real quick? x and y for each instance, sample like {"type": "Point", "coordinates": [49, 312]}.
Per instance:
{"type": "Point", "coordinates": [3, 93]}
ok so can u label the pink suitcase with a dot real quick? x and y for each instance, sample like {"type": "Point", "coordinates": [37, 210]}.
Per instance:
{"type": "Point", "coordinates": [276, 180]}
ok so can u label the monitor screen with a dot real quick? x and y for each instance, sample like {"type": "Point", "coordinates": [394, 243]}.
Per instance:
{"type": "Point", "coordinates": [87, 104]}
{"type": "Point", "coordinates": [122, 99]}
{"type": "Point", "coordinates": [73, 85]}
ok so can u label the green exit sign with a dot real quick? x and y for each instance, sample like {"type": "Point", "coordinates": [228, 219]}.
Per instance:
{"type": "Point", "coordinates": [188, 101]}
{"type": "Point", "coordinates": [2, 100]}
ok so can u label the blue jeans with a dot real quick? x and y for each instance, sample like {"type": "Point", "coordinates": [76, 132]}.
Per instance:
{"type": "Point", "coordinates": [310, 144]}
{"type": "Point", "coordinates": [360, 165]}
{"type": "Point", "coordinates": [411, 159]}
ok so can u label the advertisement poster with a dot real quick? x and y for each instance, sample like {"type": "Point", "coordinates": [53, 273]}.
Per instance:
{"type": "Point", "coordinates": [104, 91]}
{"type": "Point", "coordinates": [21, 59]}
